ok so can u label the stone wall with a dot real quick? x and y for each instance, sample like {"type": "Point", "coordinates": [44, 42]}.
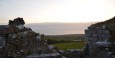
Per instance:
{"type": "Point", "coordinates": [97, 40]}
{"type": "Point", "coordinates": [19, 41]}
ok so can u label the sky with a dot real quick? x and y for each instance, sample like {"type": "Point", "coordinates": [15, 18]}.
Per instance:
{"type": "Point", "coordinates": [66, 11]}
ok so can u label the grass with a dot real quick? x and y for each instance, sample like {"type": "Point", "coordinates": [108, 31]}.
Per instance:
{"type": "Point", "coordinates": [70, 45]}
{"type": "Point", "coordinates": [64, 42]}
{"type": "Point", "coordinates": [65, 37]}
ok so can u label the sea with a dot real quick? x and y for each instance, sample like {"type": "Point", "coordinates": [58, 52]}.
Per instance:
{"type": "Point", "coordinates": [58, 28]}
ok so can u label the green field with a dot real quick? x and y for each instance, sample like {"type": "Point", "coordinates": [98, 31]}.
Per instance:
{"type": "Point", "coordinates": [65, 37]}
{"type": "Point", "coordinates": [70, 45]}
{"type": "Point", "coordinates": [64, 42]}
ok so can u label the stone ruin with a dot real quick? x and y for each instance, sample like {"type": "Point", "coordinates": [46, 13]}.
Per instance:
{"type": "Point", "coordinates": [97, 40]}
{"type": "Point", "coordinates": [18, 41]}
{"type": "Point", "coordinates": [100, 42]}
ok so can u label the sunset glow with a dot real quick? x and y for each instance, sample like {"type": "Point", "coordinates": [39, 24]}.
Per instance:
{"type": "Point", "coordinates": [67, 11]}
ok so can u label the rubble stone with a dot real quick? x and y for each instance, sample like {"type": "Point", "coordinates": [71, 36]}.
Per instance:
{"type": "Point", "coordinates": [18, 41]}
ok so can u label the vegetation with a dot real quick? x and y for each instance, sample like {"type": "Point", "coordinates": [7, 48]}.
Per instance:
{"type": "Point", "coordinates": [64, 42]}
{"type": "Point", "coordinates": [53, 41]}
{"type": "Point", "coordinates": [107, 22]}
{"type": "Point", "coordinates": [66, 37]}
{"type": "Point", "coordinates": [70, 45]}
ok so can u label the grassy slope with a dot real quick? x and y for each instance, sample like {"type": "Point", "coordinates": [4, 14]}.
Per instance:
{"type": "Point", "coordinates": [70, 45]}
{"type": "Point", "coordinates": [65, 37]}
{"type": "Point", "coordinates": [67, 45]}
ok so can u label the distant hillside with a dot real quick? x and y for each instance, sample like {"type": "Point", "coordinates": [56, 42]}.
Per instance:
{"type": "Point", "coordinates": [110, 25]}
{"type": "Point", "coordinates": [65, 37]}
{"type": "Point", "coordinates": [107, 22]}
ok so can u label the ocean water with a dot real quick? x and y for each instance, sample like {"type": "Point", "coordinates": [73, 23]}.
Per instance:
{"type": "Point", "coordinates": [59, 28]}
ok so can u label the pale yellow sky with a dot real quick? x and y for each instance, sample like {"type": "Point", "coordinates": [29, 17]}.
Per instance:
{"type": "Point", "coordinates": [67, 11]}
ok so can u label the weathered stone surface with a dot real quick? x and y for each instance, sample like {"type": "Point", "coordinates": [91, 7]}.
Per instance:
{"type": "Point", "coordinates": [20, 41]}
{"type": "Point", "coordinates": [97, 38]}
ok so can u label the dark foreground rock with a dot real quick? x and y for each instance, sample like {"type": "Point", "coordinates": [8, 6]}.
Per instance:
{"type": "Point", "coordinates": [18, 41]}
